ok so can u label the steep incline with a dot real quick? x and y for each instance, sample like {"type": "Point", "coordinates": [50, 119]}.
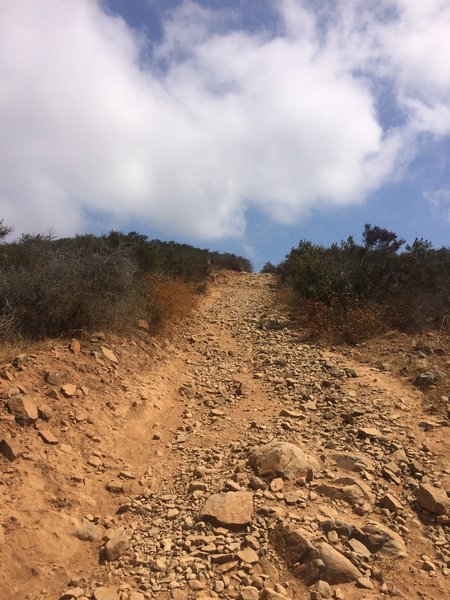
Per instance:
{"type": "Point", "coordinates": [140, 459]}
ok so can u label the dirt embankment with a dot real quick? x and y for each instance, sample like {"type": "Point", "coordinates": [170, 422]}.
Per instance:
{"type": "Point", "coordinates": [126, 471]}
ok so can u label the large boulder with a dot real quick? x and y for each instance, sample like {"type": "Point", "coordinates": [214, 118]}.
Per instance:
{"type": "Point", "coordinates": [231, 509]}
{"type": "Point", "coordinates": [283, 459]}
{"type": "Point", "coordinates": [433, 499]}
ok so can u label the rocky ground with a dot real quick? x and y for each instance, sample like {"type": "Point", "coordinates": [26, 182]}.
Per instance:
{"type": "Point", "coordinates": [234, 461]}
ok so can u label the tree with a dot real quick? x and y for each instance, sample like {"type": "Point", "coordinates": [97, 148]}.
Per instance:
{"type": "Point", "coordinates": [4, 229]}
{"type": "Point", "coordinates": [378, 239]}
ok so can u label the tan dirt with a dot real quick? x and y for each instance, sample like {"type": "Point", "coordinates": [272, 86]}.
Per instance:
{"type": "Point", "coordinates": [147, 420]}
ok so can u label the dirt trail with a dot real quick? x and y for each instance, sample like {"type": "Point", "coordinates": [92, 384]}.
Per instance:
{"type": "Point", "coordinates": [145, 441]}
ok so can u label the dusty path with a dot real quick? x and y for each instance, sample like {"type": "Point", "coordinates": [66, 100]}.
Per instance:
{"type": "Point", "coordinates": [182, 426]}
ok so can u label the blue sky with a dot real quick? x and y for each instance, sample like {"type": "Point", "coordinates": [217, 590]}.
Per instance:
{"type": "Point", "coordinates": [238, 125]}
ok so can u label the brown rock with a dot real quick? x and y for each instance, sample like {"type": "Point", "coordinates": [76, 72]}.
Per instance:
{"type": "Point", "coordinates": [143, 325]}
{"type": "Point", "coordinates": [109, 354]}
{"type": "Point", "coordinates": [234, 509]}
{"type": "Point", "coordinates": [248, 555]}
{"type": "Point", "coordinates": [117, 544]}
{"type": "Point", "coordinates": [88, 532]}
{"type": "Point", "coordinates": [10, 448]}
{"type": "Point", "coordinates": [23, 408]}
{"type": "Point", "coordinates": [371, 433]}
{"type": "Point", "coordinates": [6, 374]}
{"type": "Point", "coordinates": [379, 538]}
{"type": "Point", "coordinates": [291, 542]}
{"type": "Point", "coordinates": [69, 390]}
{"type": "Point", "coordinates": [349, 489]}
{"type": "Point", "coordinates": [55, 377]}
{"type": "Point", "coordinates": [270, 594]}
{"type": "Point", "coordinates": [433, 499]}
{"type": "Point", "coordinates": [390, 502]}
{"type": "Point", "coordinates": [75, 346]}
{"type": "Point", "coordinates": [249, 593]}
{"type": "Point", "coordinates": [351, 462]}
{"type": "Point", "coordinates": [283, 459]}
{"type": "Point", "coordinates": [292, 414]}
{"type": "Point", "coordinates": [47, 436]}
{"type": "Point", "coordinates": [106, 593]}
{"type": "Point", "coordinates": [337, 569]}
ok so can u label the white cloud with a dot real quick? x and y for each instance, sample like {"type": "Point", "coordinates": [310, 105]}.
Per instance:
{"type": "Point", "coordinates": [440, 202]}
{"type": "Point", "coordinates": [234, 120]}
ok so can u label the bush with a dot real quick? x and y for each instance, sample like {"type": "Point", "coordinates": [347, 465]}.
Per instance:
{"type": "Point", "coordinates": [51, 286]}
{"type": "Point", "coordinates": [356, 290]}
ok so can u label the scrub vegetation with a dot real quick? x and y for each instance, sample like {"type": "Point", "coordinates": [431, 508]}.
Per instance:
{"type": "Point", "coordinates": [351, 291]}
{"type": "Point", "coordinates": [49, 287]}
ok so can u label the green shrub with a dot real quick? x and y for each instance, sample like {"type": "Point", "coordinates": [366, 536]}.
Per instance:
{"type": "Point", "coordinates": [408, 290]}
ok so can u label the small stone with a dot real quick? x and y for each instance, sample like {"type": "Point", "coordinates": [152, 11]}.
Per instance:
{"type": "Point", "coordinates": [69, 390]}
{"type": "Point", "coordinates": [88, 532]}
{"type": "Point", "coordinates": [365, 583]}
{"type": "Point", "coordinates": [283, 459]}
{"type": "Point", "coordinates": [292, 414]}
{"type": "Point", "coordinates": [75, 346]}
{"type": "Point", "coordinates": [71, 593]}
{"type": "Point", "coordinates": [390, 502]}
{"type": "Point", "coordinates": [322, 588]}
{"type": "Point", "coordinates": [359, 548]}
{"type": "Point", "coordinates": [109, 354]}
{"type": "Point", "coordinates": [428, 566]}
{"type": "Point", "coordinates": [333, 537]}
{"type": "Point", "coordinates": [276, 485]}
{"type": "Point", "coordinates": [115, 487]}
{"type": "Point", "coordinates": [249, 593]}
{"type": "Point", "coordinates": [48, 436]}
{"type": "Point", "coordinates": [6, 374]}
{"type": "Point", "coordinates": [248, 555]}
{"type": "Point", "coordinates": [19, 360]}
{"type": "Point", "coordinates": [270, 594]}
{"type": "Point", "coordinates": [142, 324]}
{"type": "Point", "coordinates": [106, 593]}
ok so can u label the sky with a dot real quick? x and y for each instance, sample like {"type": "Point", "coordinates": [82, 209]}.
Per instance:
{"type": "Point", "coordinates": [237, 125]}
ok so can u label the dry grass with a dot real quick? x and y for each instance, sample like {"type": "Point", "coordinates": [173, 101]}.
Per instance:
{"type": "Point", "coordinates": [167, 301]}
{"type": "Point", "coordinates": [335, 323]}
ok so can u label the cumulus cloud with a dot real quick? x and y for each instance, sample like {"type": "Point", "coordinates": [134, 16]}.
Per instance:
{"type": "Point", "coordinates": [219, 121]}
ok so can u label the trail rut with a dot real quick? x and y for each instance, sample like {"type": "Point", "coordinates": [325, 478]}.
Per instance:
{"type": "Point", "coordinates": [185, 419]}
